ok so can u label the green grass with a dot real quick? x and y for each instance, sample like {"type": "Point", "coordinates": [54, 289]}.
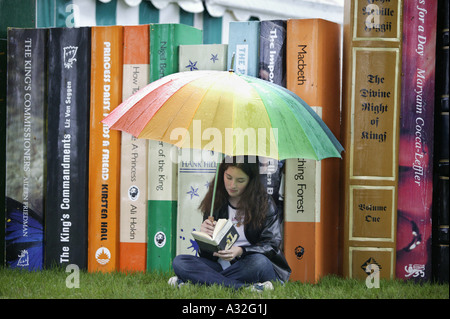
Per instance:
{"type": "Point", "coordinates": [51, 284]}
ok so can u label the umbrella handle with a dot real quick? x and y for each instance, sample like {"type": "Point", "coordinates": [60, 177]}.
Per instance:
{"type": "Point", "coordinates": [232, 63]}
{"type": "Point", "coordinates": [214, 190]}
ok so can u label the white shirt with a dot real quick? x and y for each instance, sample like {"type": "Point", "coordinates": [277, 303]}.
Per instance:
{"type": "Point", "coordinates": [238, 224]}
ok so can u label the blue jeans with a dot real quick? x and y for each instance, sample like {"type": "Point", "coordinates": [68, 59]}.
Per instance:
{"type": "Point", "coordinates": [249, 269]}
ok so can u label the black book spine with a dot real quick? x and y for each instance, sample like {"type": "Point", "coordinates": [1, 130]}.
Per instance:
{"type": "Point", "coordinates": [3, 66]}
{"type": "Point", "coordinates": [272, 68]}
{"type": "Point", "coordinates": [272, 51]}
{"type": "Point", "coordinates": [67, 148]}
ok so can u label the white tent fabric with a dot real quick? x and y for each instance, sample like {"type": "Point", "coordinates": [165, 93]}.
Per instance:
{"type": "Point", "coordinates": [274, 7]}
{"type": "Point", "coordinates": [241, 9]}
{"type": "Point", "coordinates": [127, 12]}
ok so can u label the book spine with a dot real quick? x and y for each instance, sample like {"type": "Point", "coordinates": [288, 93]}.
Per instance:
{"type": "Point", "coordinates": [203, 57]}
{"type": "Point", "coordinates": [415, 180]}
{"type": "Point", "coordinates": [243, 43]}
{"type": "Point", "coordinates": [133, 161]}
{"type": "Point", "coordinates": [25, 148]}
{"type": "Point", "coordinates": [370, 134]}
{"type": "Point", "coordinates": [104, 150]}
{"type": "Point", "coordinates": [312, 187]}
{"type": "Point", "coordinates": [162, 206]}
{"type": "Point", "coordinates": [3, 68]}
{"type": "Point", "coordinates": [162, 157]}
{"type": "Point", "coordinates": [272, 68]}
{"type": "Point", "coordinates": [441, 210]}
{"type": "Point", "coordinates": [67, 147]}
{"type": "Point", "coordinates": [196, 168]}
{"type": "Point", "coordinates": [272, 51]}
{"type": "Point", "coordinates": [164, 42]}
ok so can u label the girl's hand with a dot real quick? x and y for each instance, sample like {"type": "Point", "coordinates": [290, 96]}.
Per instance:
{"type": "Point", "coordinates": [208, 227]}
{"type": "Point", "coordinates": [229, 254]}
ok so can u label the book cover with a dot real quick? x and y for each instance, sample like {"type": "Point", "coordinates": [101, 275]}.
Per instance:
{"type": "Point", "coordinates": [415, 180]}
{"type": "Point", "coordinates": [25, 147]}
{"type": "Point", "coordinates": [66, 211]}
{"type": "Point", "coordinates": [312, 187]}
{"type": "Point", "coordinates": [134, 152]}
{"type": "Point", "coordinates": [243, 43]}
{"type": "Point", "coordinates": [196, 168]}
{"type": "Point", "coordinates": [223, 238]}
{"type": "Point", "coordinates": [104, 149]}
{"type": "Point", "coordinates": [165, 40]}
{"type": "Point", "coordinates": [272, 68]}
{"type": "Point", "coordinates": [370, 135]}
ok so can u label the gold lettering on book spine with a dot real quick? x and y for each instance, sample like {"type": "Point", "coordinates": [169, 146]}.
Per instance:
{"type": "Point", "coordinates": [377, 21]}
{"type": "Point", "coordinates": [371, 108]}
{"type": "Point", "coordinates": [373, 132]}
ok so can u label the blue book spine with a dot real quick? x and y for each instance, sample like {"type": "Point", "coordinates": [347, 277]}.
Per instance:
{"type": "Point", "coordinates": [243, 44]}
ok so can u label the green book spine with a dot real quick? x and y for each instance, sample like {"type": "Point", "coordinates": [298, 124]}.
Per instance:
{"type": "Point", "coordinates": [162, 169]}
{"type": "Point", "coordinates": [164, 51]}
{"type": "Point", "coordinates": [162, 206]}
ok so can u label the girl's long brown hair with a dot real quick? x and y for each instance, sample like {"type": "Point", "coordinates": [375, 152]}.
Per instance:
{"type": "Point", "coordinates": [253, 204]}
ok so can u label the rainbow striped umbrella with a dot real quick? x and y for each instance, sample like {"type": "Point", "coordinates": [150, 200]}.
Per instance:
{"type": "Point", "coordinates": [225, 112]}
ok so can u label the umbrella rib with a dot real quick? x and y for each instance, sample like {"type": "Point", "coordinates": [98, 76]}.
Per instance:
{"type": "Point", "coordinates": [186, 100]}
{"type": "Point", "coordinates": [304, 125]}
{"type": "Point", "coordinates": [189, 76]}
{"type": "Point", "coordinates": [136, 98]}
{"type": "Point", "coordinates": [129, 103]}
{"type": "Point", "coordinates": [177, 114]}
{"type": "Point", "coordinates": [220, 100]}
{"type": "Point", "coordinates": [132, 123]}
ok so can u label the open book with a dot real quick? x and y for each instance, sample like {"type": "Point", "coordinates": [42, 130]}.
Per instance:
{"type": "Point", "coordinates": [224, 236]}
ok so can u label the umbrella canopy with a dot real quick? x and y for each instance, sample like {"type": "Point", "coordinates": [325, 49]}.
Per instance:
{"type": "Point", "coordinates": [228, 113]}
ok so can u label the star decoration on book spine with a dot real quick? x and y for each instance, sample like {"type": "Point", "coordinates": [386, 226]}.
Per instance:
{"type": "Point", "coordinates": [192, 65]}
{"type": "Point", "coordinates": [193, 192]}
{"type": "Point", "coordinates": [214, 57]}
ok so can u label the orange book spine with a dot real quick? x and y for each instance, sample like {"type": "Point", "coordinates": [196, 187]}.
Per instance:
{"type": "Point", "coordinates": [371, 92]}
{"type": "Point", "coordinates": [133, 174]}
{"type": "Point", "coordinates": [312, 188]}
{"type": "Point", "coordinates": [104, 150]}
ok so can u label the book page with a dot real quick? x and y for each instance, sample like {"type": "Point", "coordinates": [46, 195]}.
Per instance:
{"type": "Point", "coordinates": [219, 225]}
